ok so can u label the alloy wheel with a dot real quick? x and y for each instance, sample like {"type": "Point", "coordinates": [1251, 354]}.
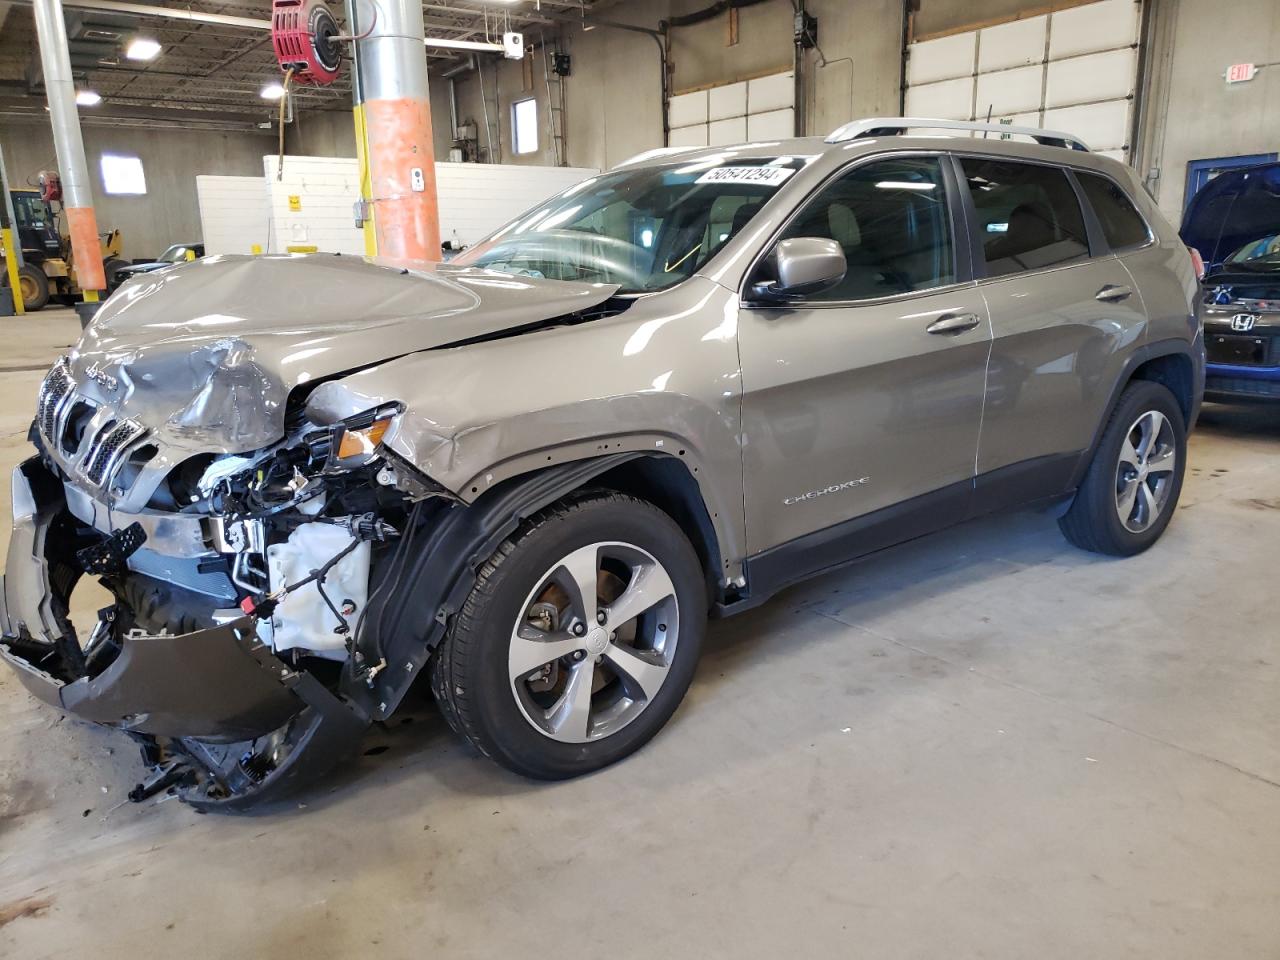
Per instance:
{"type": "Point", "coordinates": [1145, 471]}
{"type": "Point", "coordinates": [594, 642]}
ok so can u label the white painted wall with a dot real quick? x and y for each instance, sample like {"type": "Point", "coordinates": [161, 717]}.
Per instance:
{"type": "Point", "coordinates": [475, 199]}
{"type": "Point", "coordinates": [762, 108]}
{"type": "Point", "coordinates": [325, 190]}
{"type": "Point", "coordinates": [1073, 70]}
{"type": "Point", "coordinates": [235, 213]}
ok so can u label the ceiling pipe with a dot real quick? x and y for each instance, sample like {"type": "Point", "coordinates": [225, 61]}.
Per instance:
{"type": "Point", "coordinates": [168, 13]}
{"type": "Point", "coordinates": [247, 23]}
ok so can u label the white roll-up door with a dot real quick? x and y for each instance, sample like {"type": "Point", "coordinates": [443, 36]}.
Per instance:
{"type": "Point", "coordinates": [759, 109]}
{"type": "Point", "coordinates": [1074, 70]}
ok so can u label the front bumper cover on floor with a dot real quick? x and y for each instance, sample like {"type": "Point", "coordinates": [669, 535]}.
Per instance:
{"type": "Point", "coordinates": [211, 697]}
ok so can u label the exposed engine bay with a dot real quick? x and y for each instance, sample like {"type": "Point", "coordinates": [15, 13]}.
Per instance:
{"type": "Point", "coordinates": [279, 574]}
{"type": "Point", "coordinates": [273, 551]}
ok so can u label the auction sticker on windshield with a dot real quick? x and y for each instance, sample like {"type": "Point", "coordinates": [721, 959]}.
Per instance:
{"type": "Point", "coordinates": [764, 176]}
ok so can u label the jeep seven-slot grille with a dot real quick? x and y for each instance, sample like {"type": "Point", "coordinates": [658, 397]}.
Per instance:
{"type": "Point", "coordinates": [107, 448]}
{"type": "Point", "coordinates": [54, 391]}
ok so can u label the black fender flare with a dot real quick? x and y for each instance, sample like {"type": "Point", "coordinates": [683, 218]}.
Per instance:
{"type": "Point", "coordinates": [1173, 346]}
{"type": "Point", "coordinates": [458, 538]}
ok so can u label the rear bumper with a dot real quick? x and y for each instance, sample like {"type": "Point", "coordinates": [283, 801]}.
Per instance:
{"type": "Point", "coordinates": [211, 696]}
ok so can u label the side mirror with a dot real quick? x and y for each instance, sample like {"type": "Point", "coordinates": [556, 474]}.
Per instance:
{"type": "Point", "coordinates": [805, 266]}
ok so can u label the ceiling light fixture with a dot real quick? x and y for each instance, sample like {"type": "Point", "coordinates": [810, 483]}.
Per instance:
{"type": "Point", "coordinates": [272, 91]}
{"type": "Point", "coordinates": [88, 98]}
{"type": "Point", "coordinates": [142, 48]}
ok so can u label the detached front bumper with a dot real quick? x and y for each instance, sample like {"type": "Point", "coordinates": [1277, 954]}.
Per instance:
{"type": "Point", "coordinates": [247, 725]}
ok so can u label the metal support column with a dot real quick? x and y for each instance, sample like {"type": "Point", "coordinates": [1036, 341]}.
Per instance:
{"type": "Point", "coordinates": [393, 132]}
{"type": "Point", "coordinates": [59, 86]}
{"type": "Point", "coordinates": [9, 239]}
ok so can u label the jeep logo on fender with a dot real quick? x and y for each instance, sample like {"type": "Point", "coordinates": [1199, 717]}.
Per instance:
{"type": "Point", "coordinates": [834, 488]}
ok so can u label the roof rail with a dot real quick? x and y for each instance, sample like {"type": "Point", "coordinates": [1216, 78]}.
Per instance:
{"type": "Point", "coordinates": [888, 126]}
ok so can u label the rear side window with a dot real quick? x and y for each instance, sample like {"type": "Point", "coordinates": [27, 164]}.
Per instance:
{"type": "Point", "coordinates": [890, 218]}
{"type": "Point", "coordinates": [1122, 225]}
{"type": "Point", "coordinates": [1028, 215]}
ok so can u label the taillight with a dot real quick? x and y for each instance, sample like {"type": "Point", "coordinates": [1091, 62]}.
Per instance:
{"type": "Point", "coordinates": [1197, 262]}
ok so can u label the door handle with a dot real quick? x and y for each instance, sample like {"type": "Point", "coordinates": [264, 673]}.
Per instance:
{"type": "Point", "coordinates": [954, 323]}
{"type": "Point", "coordinates": [1113, 294]}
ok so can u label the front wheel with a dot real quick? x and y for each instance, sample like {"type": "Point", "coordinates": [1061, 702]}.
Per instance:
{"type": "Point", "coordinates": [34, 286]}
{"type": "Point", "coordinates": [111, 267]}
{"type": "Point", "coordinates": [1131, 488]}
{"type": "Point", "coordinates": [578, 641]}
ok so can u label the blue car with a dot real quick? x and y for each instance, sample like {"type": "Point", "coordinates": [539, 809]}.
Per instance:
{"type": "Point", "coordinates": [1234, 222]}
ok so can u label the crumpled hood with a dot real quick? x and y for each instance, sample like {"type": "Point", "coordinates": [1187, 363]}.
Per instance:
{"type": "Point", "coordinates": [205, 354]}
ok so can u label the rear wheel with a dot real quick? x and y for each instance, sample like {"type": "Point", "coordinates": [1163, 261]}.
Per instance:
{"type": "Point", "coordinates": [578, 641]}
{"type": "Point", "coordinates": [1131, 489]}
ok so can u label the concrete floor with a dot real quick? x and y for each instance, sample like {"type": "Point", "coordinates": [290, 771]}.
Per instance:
{"type": "Point", "coordinates": [986, 744]}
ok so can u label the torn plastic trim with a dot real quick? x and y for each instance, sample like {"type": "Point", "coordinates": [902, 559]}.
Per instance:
{"type": "Point", "coordinates": [31, 604]}
{"type": "Point", "coordinates": [213, 694]}
{"type": "Point", "coordinates": [442, 571]}
{"type": "Point", "coordinates": [220, 682]}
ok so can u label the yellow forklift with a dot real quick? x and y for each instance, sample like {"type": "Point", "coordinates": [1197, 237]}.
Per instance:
{"type": "Point", "coordinates": [48, 270]}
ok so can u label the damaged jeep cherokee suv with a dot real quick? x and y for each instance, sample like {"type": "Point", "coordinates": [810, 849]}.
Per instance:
{"type": "Point", "coordinates": [531, 473]}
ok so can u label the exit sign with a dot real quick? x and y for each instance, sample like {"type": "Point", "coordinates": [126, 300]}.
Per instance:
{"type": "Point", "coordinates": [1240, 72]}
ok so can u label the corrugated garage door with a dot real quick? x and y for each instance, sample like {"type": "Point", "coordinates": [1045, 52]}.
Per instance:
{"type": "Point", "coordinates": [1074, 70]}
{"type": "Point", "coordinates": [759, 109]}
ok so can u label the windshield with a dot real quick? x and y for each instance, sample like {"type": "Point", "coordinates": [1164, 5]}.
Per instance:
{"type": "Point", "coordinates": [644, 229]}
{"type": "Point", "coordinates": [175, 254]}
{"type": "Point", "coordinates": [30, 211]}
{"type": "Point", "coordinates": [1262, 254]}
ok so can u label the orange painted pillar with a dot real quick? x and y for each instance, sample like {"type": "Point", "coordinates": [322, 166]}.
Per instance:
{"type": "Point", "coordinates": [86, 251]}
{"type": "Point", "coordinates": [393, 122]}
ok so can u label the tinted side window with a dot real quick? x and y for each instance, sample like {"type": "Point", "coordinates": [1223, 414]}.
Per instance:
{"type": "Point", "coordinates": [1028, 215]}
{"type": "Point", "coordinates": [890, 217]}
{"type": "Point", "coordinates": [1122, 225]}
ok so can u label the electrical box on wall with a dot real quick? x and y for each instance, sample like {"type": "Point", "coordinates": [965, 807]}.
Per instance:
{"type": "Point", "coordinates": [513, 46]}
{"type": "Point", "coordinates": [560, 64]}
{"type": "Point", "coordinates": [806, 30]}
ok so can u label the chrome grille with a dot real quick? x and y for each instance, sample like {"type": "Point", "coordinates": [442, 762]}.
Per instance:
{"type": "Point", "coordinates": [108, 446]}
{"type": "Point", "coordinates": [54, 394]}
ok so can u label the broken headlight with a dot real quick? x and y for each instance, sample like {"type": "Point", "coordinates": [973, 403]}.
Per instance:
{"type": "Point", "coordinates": [355, 441]}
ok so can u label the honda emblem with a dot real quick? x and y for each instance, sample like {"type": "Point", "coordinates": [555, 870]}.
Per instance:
{"type": "Point", "coordinates": [1243, 322]}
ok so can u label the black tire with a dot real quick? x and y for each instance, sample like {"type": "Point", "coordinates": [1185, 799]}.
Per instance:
{"type": "Point", "coordinates": [1093, 520]}
{"type": "Point", "coordinates": [109, 268]}
{"type": "Point", "coordinates": [35, 287]}
{"type": "Point", "coordinates": [469, 670]}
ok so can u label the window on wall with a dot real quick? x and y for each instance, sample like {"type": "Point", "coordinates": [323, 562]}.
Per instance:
{"type": "Point", "coordinates": [524, 126]}
{"type": "Point", "coordinates": [122, 175]}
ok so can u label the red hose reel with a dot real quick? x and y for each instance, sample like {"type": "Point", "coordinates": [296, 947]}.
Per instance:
{"type": "Point", "coordinates": [303, 36]}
